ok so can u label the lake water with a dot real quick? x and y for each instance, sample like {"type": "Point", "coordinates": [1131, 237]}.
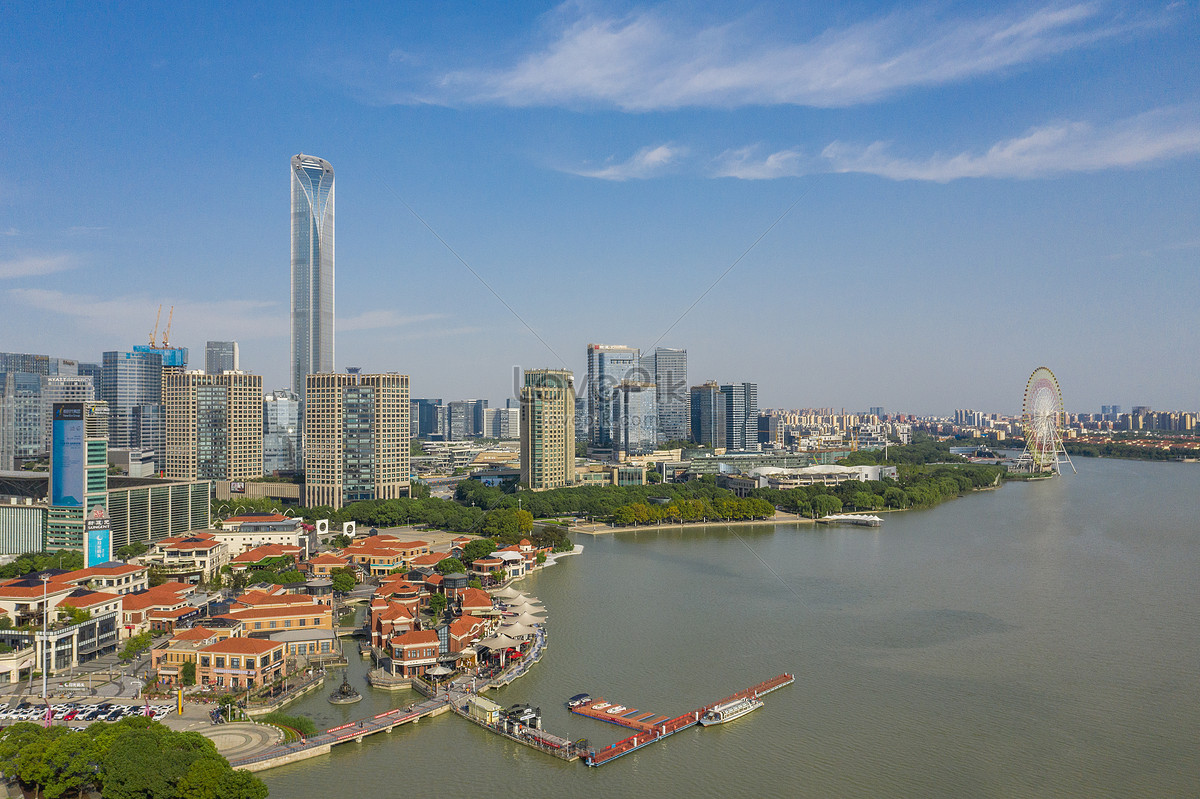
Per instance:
{"type": "Point", "coordinates": [1041, 640]}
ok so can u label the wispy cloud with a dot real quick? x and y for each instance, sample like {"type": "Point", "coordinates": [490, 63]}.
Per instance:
{"type": "Point", "coordinates": [12, 231]}
{"type": "Point", "coordinates": [647, 60]}
{"type": "Point", "coordinates": [1052, 149]}
{"type": "Point", "coordinates": [35, 265]}
{"type": "Point", "coordinates": [648, 162]}
{"type": "Point", "coordinates": [132, 316]}
{"type": "Point", "coordinates": [382, 319]}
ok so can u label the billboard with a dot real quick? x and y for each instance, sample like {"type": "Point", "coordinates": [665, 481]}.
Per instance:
{"type": "Point", "coordinates": [67, 455]}
{"type": "Point", "coordinates": [237, 487]}
{"type": "Point", "coordinates": [97, 530]}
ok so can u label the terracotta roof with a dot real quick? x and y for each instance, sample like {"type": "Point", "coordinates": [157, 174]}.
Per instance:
{"type": "Point", "coordinates": [476, 598]}
{"type": "Point", "coordinates": [262, 598]}
{"type": "Point", "coordinates": [266, 551]}
{"type": "Point", "coordinates": [434, 579]}
{"type": "Point", "coordinates": [242, 646]}
{"type": "Point", "coordinates": [415, 638]}
{"type": "Point", "coordinates": [296, 611]}
{"type": "Point", "coordinates": [465, 625]}
{"type": "Point", "coordinates": [89, 598]}
{"type": "Point", "coordinates": [266, 517]}
{"type": "Point", "coordinates": [395, 610]}
{"type": "Point", "coordinates": [398, 587]}
{"type": "Point", "coordinates": [432, 559]}
{"type": "Point", "coordinates": [191, 544]}
{"type": "Point", "coordinates": [173, 613]}
{"type": "Point", "coordinates": [104, 570]}
{"type": "Point", "coordinates": [194, 634]}
{"type": "Point", "coordinates": [328, 559]}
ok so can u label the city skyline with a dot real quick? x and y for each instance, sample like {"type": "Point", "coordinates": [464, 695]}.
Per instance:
{"type": "Point", "coordinates": [950, 196]}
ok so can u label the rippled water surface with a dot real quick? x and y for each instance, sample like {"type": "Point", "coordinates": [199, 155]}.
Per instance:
{"type": "Point", "coordinates": [1038, 640]}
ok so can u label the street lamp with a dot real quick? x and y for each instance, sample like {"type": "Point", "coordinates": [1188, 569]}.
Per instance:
{"type": "Point", "coordinates": [45, 623]}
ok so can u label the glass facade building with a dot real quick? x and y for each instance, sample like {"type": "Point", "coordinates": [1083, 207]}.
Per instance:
{"type": "Point", "coordinates": [667, 369]}
{"type": "Point", "coordinates": [312, 268]}
{"type": "Point", "coordinates": [708, 415]}
{"type": "Point", "coordinates": [741, 415]}
{"type": "Point", "coordinates": [131, 384]}
{"type": "Point", "coordinates": [221, 356]}
{"type": "Point", "coordinates": [608, 367]}
{"type": "Point", "coordinates": [635, 418]}
{"type": "Point", "coordinates": [281, 432]}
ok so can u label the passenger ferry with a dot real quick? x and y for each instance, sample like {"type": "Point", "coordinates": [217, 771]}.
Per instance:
{"type": "Point", "coordinates": [728, 711]}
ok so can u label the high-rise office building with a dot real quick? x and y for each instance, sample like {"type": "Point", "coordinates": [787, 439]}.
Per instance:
{"type": "Point", "coordinates": [581, 417]}
{"type": "Point", "coordinates": [741, 415]}
{"type": "Point", "coordinates": [62, 388]}
{"type": "Point", "coordinates": [635, 422]}
{"type": "Point", "coordinates": [312, 268]}
{"type": "Point", "coordinates": [608, 366]}
{"type": "Point", "coordinates": [667, 369]}
{"type": "Point", "coordinates": [221, 356]}
{"type": "Point", "coordinates": [78, 471]}
{"type": "Point", "coordinates": [131, 384]}
{"type": "Point", "coordinates": [502, 423]}
{"type": "Point", "coordinates": [466, 419]}
{"type": "Point", "coordinates": [356, 443]}
{"type": "Point", "coordinates": [281, 432]}
{"type": "Point", "coordinates": [21, 426]}
{"type": "Point", "coordinates": [425, 419]}
{"type": "Point", "coordinates": [547, 428]}
{"type": "Point", "coordinates": [213, 425]}
{"type": "Point", "coordinates": [708, 415]}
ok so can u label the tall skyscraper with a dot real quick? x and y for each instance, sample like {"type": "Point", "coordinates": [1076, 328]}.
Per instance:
{"type": "Point", "coordinates": [425, 419]}
{"type": "Point", "coordinates": [547, 428]}
{"type": "Point", "coordinates": [667, 369]}
{"type": "Point", "coordinates": [221, 356]}
{"type": "Point", "coordinates": [62, 388]}
{"type": "Point", "coordinates": [608, 367]}
{"type": "Point", "coordinates": [466, 419]}
{"type": "Point", "coordinates": [356, 443]}
{"type": "Point", "coordinates": [214, 425]}
{"type": "Point", "coordinates": [635, 422]}
{"type": "Point", "coordinates": [20, 418]}
{"type": "Point", "coordinates": [131, 384]}
{"type": "Point", "coordinates": [708, 415]}
{"type": "Point", "coordinates": [741, 415]}
{"type": "Point", "coordinates": [312, 268]}
{"type": "Point", "coordinates": [78, 470]}
{"type": "Point", "coordinates": [281, 432]}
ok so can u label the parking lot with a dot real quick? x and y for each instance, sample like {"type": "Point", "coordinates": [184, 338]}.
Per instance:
{"type": "Point", "coordinates": [78, 715]}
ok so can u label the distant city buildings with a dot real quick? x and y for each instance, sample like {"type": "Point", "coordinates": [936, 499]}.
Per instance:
{"type": "Point", "coordinates": [78, 471]}
{"type": "Point", "coordinates": [465, 419]}
{"type": "Point", "coordinates": [312, 268]}
{"type": "Point", "coordinates": [708, 415]}
{"type": "Point", "coordinates": [281, 432]}
{"type": "Point", "coordinates": [635, 420]}
{"type": "Point", "coordinates": [741, 415]}
{"type": "Point", "coordinates": [214, 425]}
{"type": "Point", "coordinates": [427, 418]}
{"type": "Point", "coordinates": [667, 369]}
{"type": "Point", "coordinates": [547, 422]}
{"type": "Point", "coordinates": [221, 356]}
{"type": "Point", "coordinates": [607, 367]}
{"type": "Point", "coordinates": [131, 384]}
{"type": "Point", "coordinates": [356, 442]}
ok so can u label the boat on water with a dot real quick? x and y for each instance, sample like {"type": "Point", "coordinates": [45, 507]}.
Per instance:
{"type": "Point", "coordinates": [861, 519]}
{"type": "Point", "coordinates": [601, 705]}
{"type": "Point", "coordinates": [728, 711]}
{"type": "Point", "coordinates": [579, 700]}
{"type": "Point", "coordinates": [615, 709]}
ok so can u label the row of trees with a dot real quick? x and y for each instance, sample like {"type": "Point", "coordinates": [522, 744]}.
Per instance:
{"type": "Point", "coordinates": [728, 508]}
{"type": "Point", "coordinates": [135, 758]}
{"type": "Point", "coordinates": [1115, 449]}
{"type": "Point", "coordinates": [67, 559]}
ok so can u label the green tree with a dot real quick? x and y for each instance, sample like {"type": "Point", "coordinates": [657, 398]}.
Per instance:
{"type": "Point", "coordinates": [449, 566]}
{"type": "Point", "coordinates": [437, 604]}
{"type": "Point", "coordinates": [826, 504]}
{"type": "Point", "coordinates": [136, 645]}
{"type": "Point", "coordinates": [477, 548]}
{"type": "Point", "coordinates": [344, 579]}
{"type": "Point", "coordinates": [187, 673]}
{"type": "Point", "coordinates": [131, 551]}
{"type": "Point", "coordinates": [70, 766]}
{"type": "Point", "coordinates": [475, 583]}
{"type": "Point", "coordinates": [290, 576]}
{"type": "Point", "coordinates": [418, 490]}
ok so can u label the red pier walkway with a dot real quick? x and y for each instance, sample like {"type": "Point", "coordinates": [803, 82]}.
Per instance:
{"type": "Point", "coordinates": [662, 727]}
{"type": "Point", "coordinates": [630, 717]}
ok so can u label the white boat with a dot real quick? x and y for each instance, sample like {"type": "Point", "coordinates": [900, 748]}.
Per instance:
{"type": "Point", "coordinates": [861, 519]}
{"type": "Point", "coordinates": [615, 709]}
{"type": "Point", "coordinates": [601, 705]}
{"type": "Point", "coordinates": [728, 711]}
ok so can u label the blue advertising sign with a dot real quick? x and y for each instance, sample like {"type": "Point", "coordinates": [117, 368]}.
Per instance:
{"type": "Point", "coordinates": [98, 531]}
{"type": "Point", "coordinates": [67, 455]}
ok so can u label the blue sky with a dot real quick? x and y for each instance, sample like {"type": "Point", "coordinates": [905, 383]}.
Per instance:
{"type": "Point", "coordinates": [974, 190]}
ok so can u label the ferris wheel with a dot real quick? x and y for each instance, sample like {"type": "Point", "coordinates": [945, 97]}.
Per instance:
{"type": "Point", "coordinates": [1042, 419]}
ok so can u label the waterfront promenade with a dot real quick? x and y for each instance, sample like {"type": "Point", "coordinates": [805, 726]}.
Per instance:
{"type": "Point", "coordinates": [600, 528]}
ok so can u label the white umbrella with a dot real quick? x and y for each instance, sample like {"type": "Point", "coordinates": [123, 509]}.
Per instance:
{"type": "Point", "coordinates": [517, 630]}
{"type": "Point", "coordinates": [528, 620]}
{"type": "Point", "coordinates": [508, 592]}
{"type": "Point", "coordinates": [439, 671]}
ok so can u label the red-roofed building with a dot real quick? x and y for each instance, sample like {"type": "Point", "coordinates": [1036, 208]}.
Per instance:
{"type": "Point", "coordinates": [276, 557]}
{"type": "Point", "coordinates": [240, 663]}
{"type": "Point", "coordinates": [188, 558]}
{"type": "Point", "coordinates": [289, 617]}
{"type": "Point", "coordinates": [466, 630]}
{"type": "Point", "coordinates": [113, 577]}
{"type": "Point", "coordinates": [475, 601]}
{"type": "Point", "coordinates": [414, 653]}
{"type": "Point", "coordinates": [383, 554]}
{"type": "Point", "coordinates": [389, 619]}
{"type": "Point", "coordinates": [324, 564]}
{"type": "Point", "coordinates": [137, 609]}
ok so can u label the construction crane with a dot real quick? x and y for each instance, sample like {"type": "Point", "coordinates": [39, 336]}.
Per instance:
{"type": "Point", "coordinates": [154, 332]}
{"type": "Point", "coordinates": [166, 339]}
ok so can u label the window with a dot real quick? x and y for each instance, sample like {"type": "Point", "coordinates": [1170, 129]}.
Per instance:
{"type": "Point", "coordinates": [303, 622]}
{"type": "Point", "coordinates": [235, 663]}
{"type": "Point", "coordinates": [258, 625]}
{"type": "Point", "coordinates": [220, 664]}
{"type": "Point", "coordinates": [272, 624]}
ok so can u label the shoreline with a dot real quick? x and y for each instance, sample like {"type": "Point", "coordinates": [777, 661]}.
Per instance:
{"type": "Point", "coordinates": [780, 517]}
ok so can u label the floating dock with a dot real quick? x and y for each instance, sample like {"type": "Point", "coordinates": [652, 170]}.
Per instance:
{"type": "Point", "coordinates": [660, 729]}
{"type": "Point", "coordinates": [630, 717]}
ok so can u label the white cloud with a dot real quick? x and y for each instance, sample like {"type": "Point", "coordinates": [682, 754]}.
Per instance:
{"type": "Point", "coordinates": [35, 265]}
{"type": "Point", "coordinates": [381, 319]}
{"type": "Point", "coordinates": [1057, 148]}
{"type": "Point", "coordinates": [131, 318]}
{"type": "Point", "coordinates": [646, 61]}
{"type": "Point", "coordinates": [647, 162]}
{"type": "Point", "coordinates": [747, 165]}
